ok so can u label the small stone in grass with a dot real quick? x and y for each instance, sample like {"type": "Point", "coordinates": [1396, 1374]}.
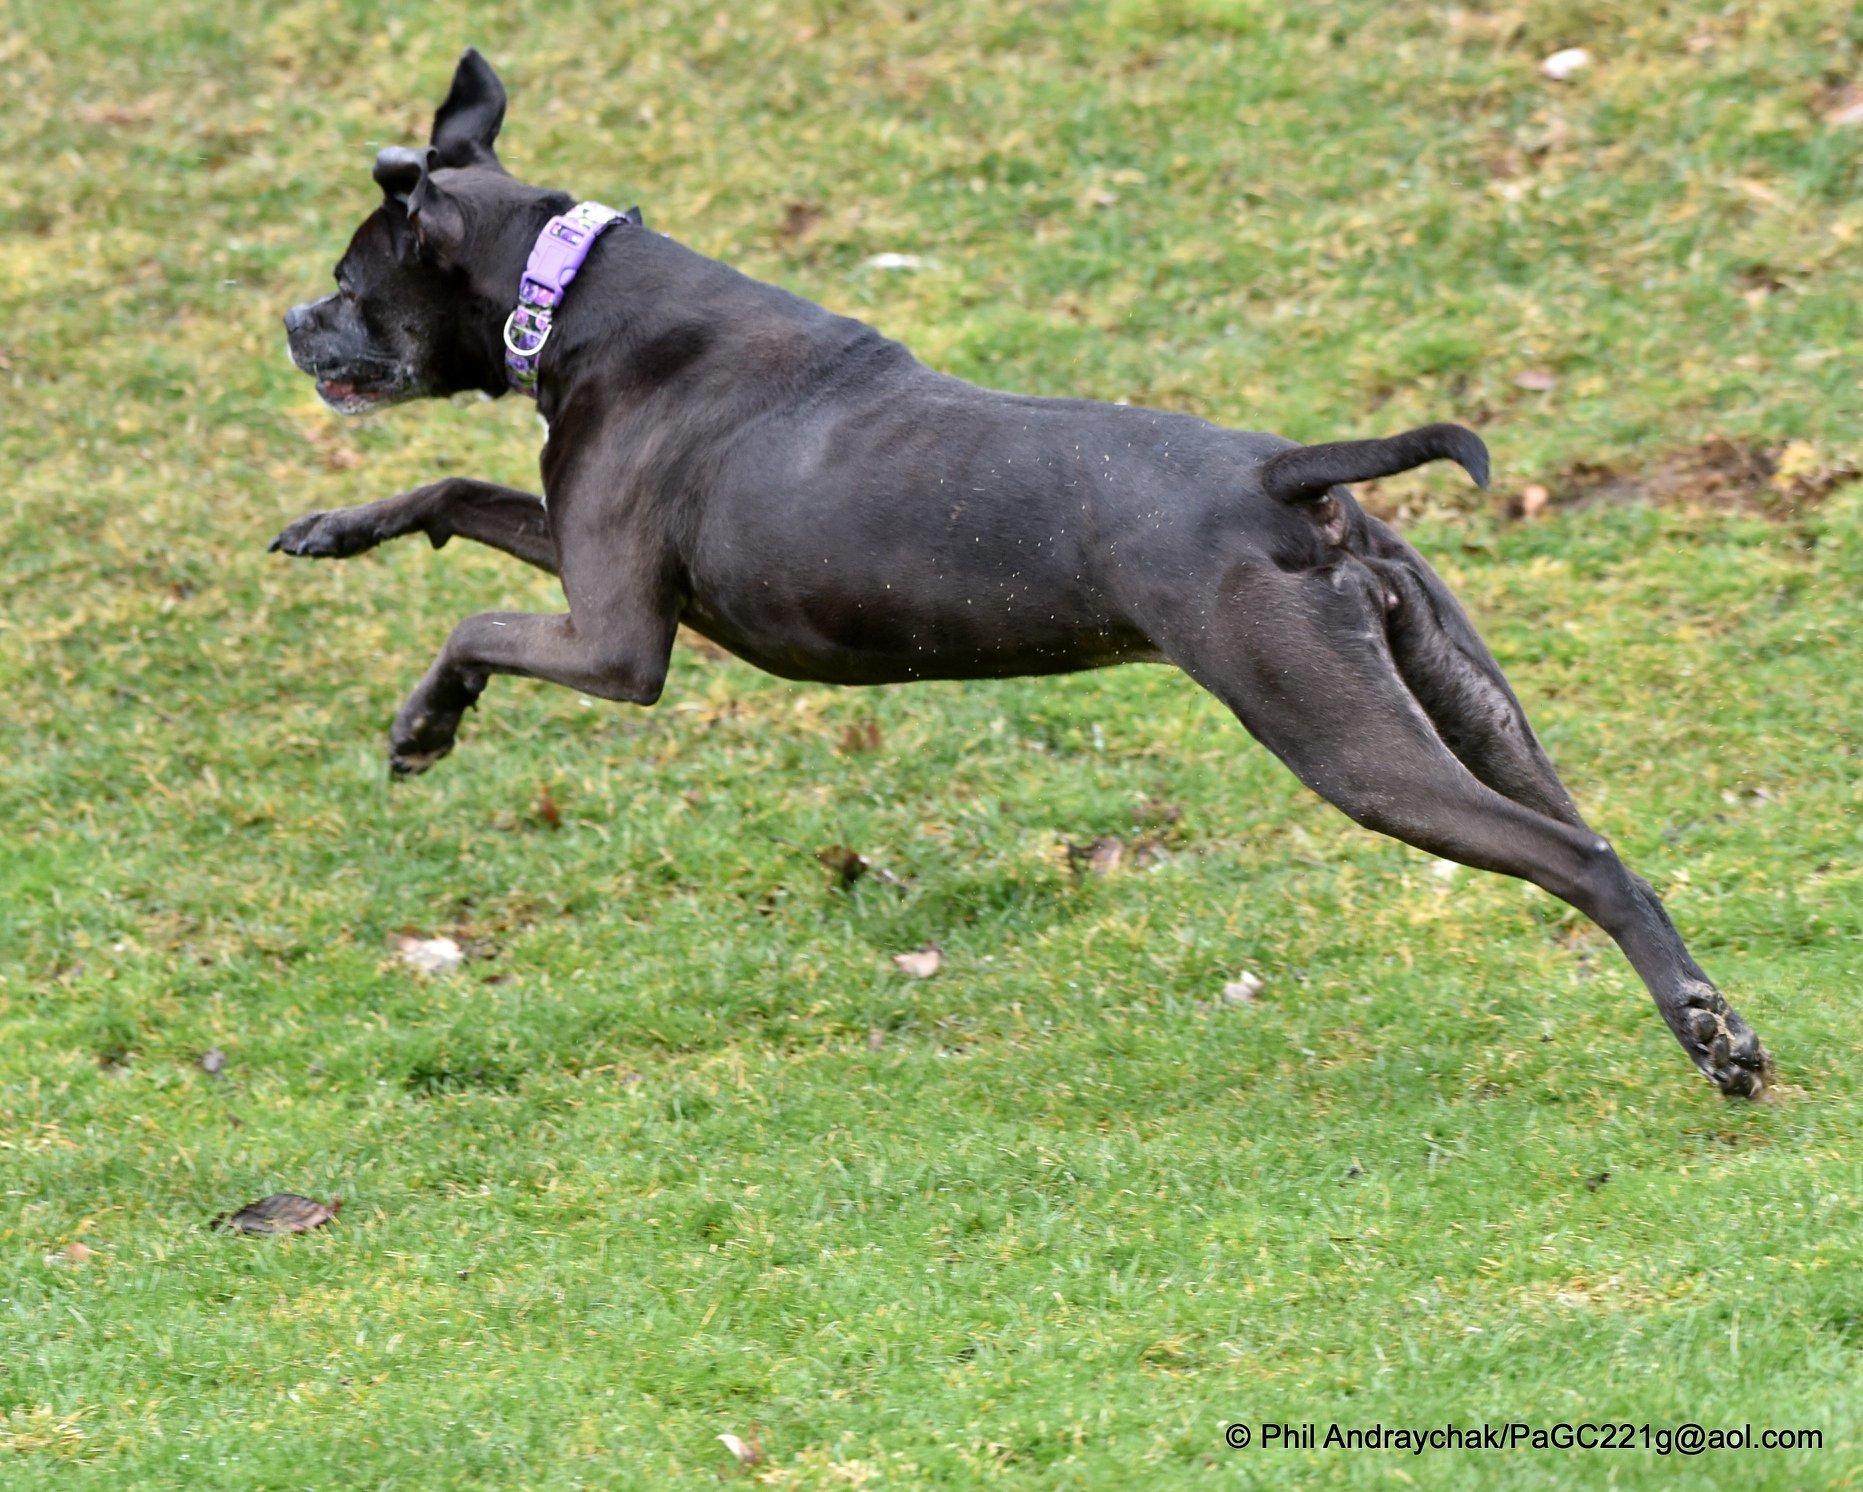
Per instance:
{"type": "Point", "coordinates": [1243, 989]}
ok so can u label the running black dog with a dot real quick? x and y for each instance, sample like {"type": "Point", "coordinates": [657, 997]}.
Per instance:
{"type": "Point", "coordinates": [803, 491]}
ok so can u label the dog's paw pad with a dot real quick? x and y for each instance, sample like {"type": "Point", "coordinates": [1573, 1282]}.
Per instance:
{"type": "Point", "coordinates": [1724, 1047]}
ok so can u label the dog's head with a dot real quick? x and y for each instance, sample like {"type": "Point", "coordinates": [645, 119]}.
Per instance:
{"type": "Point", "coordinates": [426, 283]}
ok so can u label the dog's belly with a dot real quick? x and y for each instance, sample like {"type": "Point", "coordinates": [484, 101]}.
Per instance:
{"type": "Point", "coordinates": [836, 634]}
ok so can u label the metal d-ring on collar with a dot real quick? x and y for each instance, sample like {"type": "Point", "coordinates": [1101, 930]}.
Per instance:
{"type": "Point", "coordinates": [554, 260]}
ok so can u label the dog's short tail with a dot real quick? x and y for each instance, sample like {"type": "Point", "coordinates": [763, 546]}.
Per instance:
{"type": "Point", "coordinates": [1305, 473]}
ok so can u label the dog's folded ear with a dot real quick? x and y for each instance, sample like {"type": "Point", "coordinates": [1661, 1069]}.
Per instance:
{"type": "Point", "coordinates": [398, 172]}
{"type": "Point", "coordinates": [434, 214]}
{"type": "Point", "coordinates": [467, 123]}
{"type": "Point", "coordinates": [633, 216]}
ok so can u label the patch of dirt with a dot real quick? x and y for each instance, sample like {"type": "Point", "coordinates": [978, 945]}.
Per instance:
{"type": "Point", "coordinates": [1719, 475]}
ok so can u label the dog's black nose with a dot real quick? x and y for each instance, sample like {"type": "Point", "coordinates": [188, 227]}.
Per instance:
{"type": "Point", "coordinates": [295, 318]}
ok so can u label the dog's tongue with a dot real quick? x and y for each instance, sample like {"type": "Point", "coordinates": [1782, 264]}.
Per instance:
{"type": "Point", "coordinates": [340, 390]}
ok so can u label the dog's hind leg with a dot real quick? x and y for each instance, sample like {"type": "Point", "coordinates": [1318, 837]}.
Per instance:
{"type": "Point", "coordinates": [1454, 677]}
{"type": "Point", "coordinates": [1449, 669]}
{"type": "Point", "coordinates": [1304, 659]}
{"type": "Point", "coordinates": [453, 508]}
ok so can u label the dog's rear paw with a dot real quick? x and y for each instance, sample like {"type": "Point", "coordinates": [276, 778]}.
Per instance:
{"type": "Point", "coordinates": [333, 535]}
{"type": "Point", "coordinates": [1724, 1047]}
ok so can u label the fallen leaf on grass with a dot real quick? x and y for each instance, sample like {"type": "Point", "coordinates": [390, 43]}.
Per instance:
{"type": "Point", "coordinates": [897, 261]}
{"type": "Point", "coordinates": [429, 955]}
{"type": "Point", "coordinates": [799, 218]}
{"type": "Point", "coordinates": [138, 111]}
{"type": "Point", "coordinates": [1243, 989]}
{"type": "Point", "coordinates": [72, 1256]}
{"type": "Point", "coordinates": [921, 964]}
{"type": "Point", "coordinates": [747, 1452]}
{"type": "Point", "coordinates": [1539, 380]}
{"type": "Point", "coordinates": [1533, 500]}
{"type": "Point", "coordinates": [1843, 106]}
{"type": "Point", "coordinates": [547, 809]}
{"type": "Point", "coordinates": [1563, 64]}
{"type": "Point", "coordinates": [1155, 813]}
{"type": "Point", "coordinates": [846, 865]}
{"type": "Point", "coordinates": [876, 1038]}
{"type": "Point", "coordinates": [1107, 853]}
{"type": "Point", "coordinates": [864, 736]}
{"type": "Point", "coordinates": [282, 1212]}
{"type": "Point", "coordinates": [1760, 192]}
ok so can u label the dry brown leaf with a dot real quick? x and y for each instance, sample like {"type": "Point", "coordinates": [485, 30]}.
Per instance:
{"type": "Point", "coordinates": [864, 736]}
{"type": "Point", "coordinates": [547, 809]}
{"type": "Point", "coordinates": [921, 964]}
{"type": "Point", "coordinates": [1154, 812]}
{"type": "Point", "coordinates": [1844, 106]}
{"type": "Point", "coordinates": [1760, 192]}
{"type": "Point", "coordinates": [748, 1453]}
{"type": "Point", "coordinates": [844, 864]}
{"type": "Point", "coordinates": [799, 217]}
{"type": "Point", "coordinates": [282, 1212]}
{"type": "Point", "coordinates": [1109, 852]}
{"type": "Point", "coordinates": [78, 1253]}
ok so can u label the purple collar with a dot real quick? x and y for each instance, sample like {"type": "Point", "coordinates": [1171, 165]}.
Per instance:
{"type": "Point", "coordinates": [554, 260]}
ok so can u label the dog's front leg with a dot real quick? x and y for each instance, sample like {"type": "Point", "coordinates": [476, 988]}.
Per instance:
{"type": "Point", "coordinates": [456, 507]}
{"type": "Point", "coordinates": [623, 657]}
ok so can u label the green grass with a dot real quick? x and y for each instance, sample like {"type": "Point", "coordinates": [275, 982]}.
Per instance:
{"type": "Point", "coordinates": [678, 1152]}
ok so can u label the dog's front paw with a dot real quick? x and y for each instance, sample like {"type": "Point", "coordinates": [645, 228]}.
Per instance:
{"type": "Point", "coordinates": [407, 762]}
{"type": "Point", "coordinates": [333, 535]}
{"type": "Point", "coordinates": [418, 741]}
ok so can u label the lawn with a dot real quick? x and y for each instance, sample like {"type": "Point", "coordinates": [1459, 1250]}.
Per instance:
{"type": "Point", "coordinates": [678, 1151]}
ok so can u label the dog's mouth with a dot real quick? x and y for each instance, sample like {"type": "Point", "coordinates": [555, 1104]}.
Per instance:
{"type": "Point", "coordinates": [355, 396]}
{"type": "Point", "coordinates": [347, 397]}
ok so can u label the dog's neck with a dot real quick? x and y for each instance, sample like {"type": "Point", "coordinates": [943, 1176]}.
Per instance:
{"type": "Point", "coordinates": [555, 259]}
